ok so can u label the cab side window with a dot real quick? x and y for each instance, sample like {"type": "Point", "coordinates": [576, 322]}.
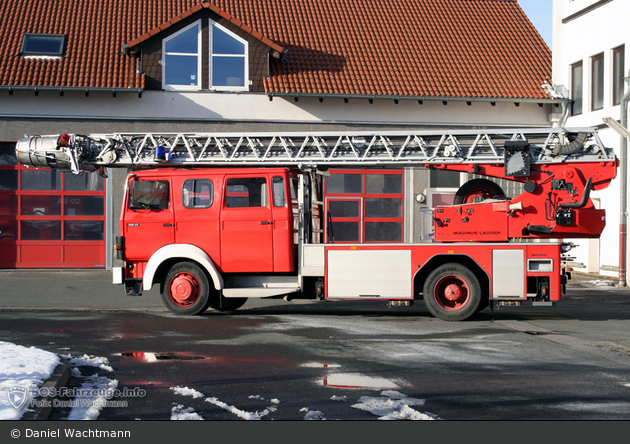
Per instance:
{"type": "Point", "coordinates": [197, 193]}
{"type": "Point", "coordinates": [279, 198]}
{"type": "Point", "coordinates": [149, 195]}
{"type": "Point", "coordinates": [246, 192]}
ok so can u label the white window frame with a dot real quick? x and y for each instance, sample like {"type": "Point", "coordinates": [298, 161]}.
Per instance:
{"type": "Point", "coordinates": [169, 87]}
{"type": "Point", "coordinates": [245, 57]}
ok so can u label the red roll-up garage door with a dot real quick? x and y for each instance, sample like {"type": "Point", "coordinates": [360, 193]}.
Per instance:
{"type": "Point", "coordinates": [49, 219]}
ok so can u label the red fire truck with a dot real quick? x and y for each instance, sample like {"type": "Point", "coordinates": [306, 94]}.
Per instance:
{"type": "Point", "coordinates": [214, 219]}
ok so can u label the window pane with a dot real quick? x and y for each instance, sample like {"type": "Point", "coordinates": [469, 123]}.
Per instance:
{"type": "Point", "coordinates": [383, 231]}
{"type": "Point", "coordinates": [383, 207]}
{"type": "Point", "coordinates": [197, 193]}
{"type": "Point", "coordinates": [43, 44]}
{"type": "Point", "coordinates": [278, 192]}
{"type": "Point", "coordinates": [344, 183]}
{"type": "Point", "coordinates": [576, 88]}
{"type": "Point", "coordinates": [180, 70]}
{"type": "Point", "coordinates": [41, 229]}
{"type": "Point", "coordinates": [185, 42]}
{"type": "Point", "coordinates": [85, 182]}
{"type": "Point", "coordinates": [343, 208]}
{"type": "Point", "coordinates": [149, 194]}
{"type": "Point", "coordinates": [224, 43]}
{"type": "Point", "coordinates": [8, 205]}
{"type": "Point", "coordinates": [343, 232]}
{"type": "Point", "coordinates": [8, 230]}
{"type": "Point", "coordinates": [43, 180]}
{"type": "Point", "coordinates": [228, 71]}
{"type": "Point", "coordinates": [8, 180]}
{"type": "Point", "coordinates": [598, 82]}
{"type": "Point", "coordinates": [7, 154]}
{"type": "Point", "coordinates": [443, 179]}
{"type": "Point", "coordinates": [41, 205]}
{"type": "Point", "coordinates": [84, 206]}
{"type": "Point", "coordinates": [246, 192]}
{"type": "Point", "coordinates": [618, 75]}
{"type": "Point", "coordinates": [383, 184]}
{"type": "Point", "coordinates": [75, 230]}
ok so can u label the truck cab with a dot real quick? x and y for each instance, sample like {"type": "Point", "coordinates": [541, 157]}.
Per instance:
{"type": "Point", "coordinates": [240, 220]}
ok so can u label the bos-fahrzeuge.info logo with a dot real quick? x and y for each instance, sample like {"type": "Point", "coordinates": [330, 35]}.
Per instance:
{"type": "Point", "coordinates": [17, 397]}
{"type": "Point", "coordinates": [47, 397]}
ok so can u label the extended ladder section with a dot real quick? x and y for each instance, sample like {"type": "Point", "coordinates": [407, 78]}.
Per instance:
{"type": "Point", "coordinates": [79, 153]}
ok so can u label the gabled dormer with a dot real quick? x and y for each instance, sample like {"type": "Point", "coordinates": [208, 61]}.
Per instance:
{"type": "Point", "coordinates": [203, 49]}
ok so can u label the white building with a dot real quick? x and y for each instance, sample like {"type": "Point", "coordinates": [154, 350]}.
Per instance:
{"type": "Point", "coordinates": [590, 46]}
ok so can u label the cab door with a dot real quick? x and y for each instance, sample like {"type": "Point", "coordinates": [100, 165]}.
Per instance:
{"type": "Point", "coordinates": [149, 219]}
{"type": "Point", "coordinates": [246, 224]}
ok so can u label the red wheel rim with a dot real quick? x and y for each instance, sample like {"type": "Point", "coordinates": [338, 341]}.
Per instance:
{"type": "Point", "coordinates": [452, 293]}
{"type": "Point", "coordinates": [184, 289]}
{"type": "Point", "coordinates": [478, 195]}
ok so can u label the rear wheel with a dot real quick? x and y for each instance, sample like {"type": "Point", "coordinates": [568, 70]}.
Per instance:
{"type": "Point", "coordinates": [186, 289]}
{"type": "Point", "coordinates": [452, 292]}
{"type": "Point", "coordinates": [478, 190]}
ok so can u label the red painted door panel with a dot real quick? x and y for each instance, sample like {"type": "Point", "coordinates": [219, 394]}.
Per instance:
{"type": "Point", "coordinates": [246, 225]}
{"type": "Point", "coordinates": [149, 222]}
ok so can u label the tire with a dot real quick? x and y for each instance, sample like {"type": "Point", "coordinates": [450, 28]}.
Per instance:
{"type": "Point", "coordinates": [477, 190]}
{"type": "Point", "coordinates": [227, 304]}
{"type": "Point", "coordinates": [452, 292]}
{"type": "Point", "coordinates": [186, 289]}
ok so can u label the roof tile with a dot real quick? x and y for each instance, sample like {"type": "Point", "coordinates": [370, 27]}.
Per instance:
{"type": "Point", "coordinates": [446, 48]}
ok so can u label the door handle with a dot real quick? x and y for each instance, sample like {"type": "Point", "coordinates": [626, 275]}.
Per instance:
{"type": "Point", "coordinates": [265, 223]}
{"type": "Point", "coordinates": [168, 225]}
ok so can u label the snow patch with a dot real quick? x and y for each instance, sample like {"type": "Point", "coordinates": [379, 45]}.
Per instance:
{"type": "Point", "coordinates": [312, 415]}
{"type": "Point", "coordinates": [179, 413]}
{"type": "Point", "coordinates": [185, 391]}
{"type": "Point", "coordinates": [90, 361]}
{"type": "Point", "coordinates": [22, 367]}
{"type": "Point", "coordinates": [393, 405]}
{"type": "Point", "coordinates": [241, 413]}
{"type": "Point", "coordinates": [94, 393]}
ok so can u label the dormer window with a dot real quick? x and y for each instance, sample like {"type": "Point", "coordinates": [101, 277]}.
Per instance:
{"type": "Point", "coordinates": [43, 45]}
{"type": "Point", "coordinates": [228, 60]}
{"type": "Point", "coordinates": [181, 61]}
{"type": "Point", "coordinates": [224, 57]}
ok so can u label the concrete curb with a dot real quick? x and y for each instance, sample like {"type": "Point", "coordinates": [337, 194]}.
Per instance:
{"type": "Point", "coordinates": [58, 379]}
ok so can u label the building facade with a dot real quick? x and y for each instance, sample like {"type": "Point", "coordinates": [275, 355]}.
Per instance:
{"type": "Point", "coordinates": [591, 40]}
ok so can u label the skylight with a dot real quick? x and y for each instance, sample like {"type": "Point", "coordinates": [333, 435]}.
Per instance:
{"type": "Point", "coordinates": [50, 45]}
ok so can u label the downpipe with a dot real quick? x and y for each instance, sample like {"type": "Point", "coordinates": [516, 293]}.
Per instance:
{"type": "Point", "coordinates": [623, 193]}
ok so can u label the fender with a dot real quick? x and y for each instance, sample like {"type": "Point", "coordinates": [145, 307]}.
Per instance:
{"type": "Point", "coordinates": [184, 251]}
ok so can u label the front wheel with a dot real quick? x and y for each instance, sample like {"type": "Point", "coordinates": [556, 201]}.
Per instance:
{"type": "Point", "coordinates": [452, 292]}
{"type": "Point", "coordinates": [186, 289]}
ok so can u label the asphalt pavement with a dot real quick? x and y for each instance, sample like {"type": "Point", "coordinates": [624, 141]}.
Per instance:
{"type": "Point", "coordinates": [594, 314]}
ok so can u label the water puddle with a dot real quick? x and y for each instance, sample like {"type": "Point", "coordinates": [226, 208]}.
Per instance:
{"type": "Point", "coordinates": [338, 379]}
{"type": "Point", "coordinates": [167, 356]}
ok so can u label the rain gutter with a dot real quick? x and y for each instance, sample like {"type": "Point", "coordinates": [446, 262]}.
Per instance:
{"type": "Point", "coordinates": [62, 89]}
{"type": "Point", "coordinates": [396, 98]}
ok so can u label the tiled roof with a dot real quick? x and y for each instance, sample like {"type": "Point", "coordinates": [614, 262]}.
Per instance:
{"type": "Point", "coordinates": [198, 7]}
{"type": "Point", "coordinates": [423, 48]}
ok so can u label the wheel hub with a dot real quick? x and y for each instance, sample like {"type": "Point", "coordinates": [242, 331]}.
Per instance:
{"type": "Point", "coordinates": [184, 289]}
{"type": "Point", "coordinates": [453, 292]}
